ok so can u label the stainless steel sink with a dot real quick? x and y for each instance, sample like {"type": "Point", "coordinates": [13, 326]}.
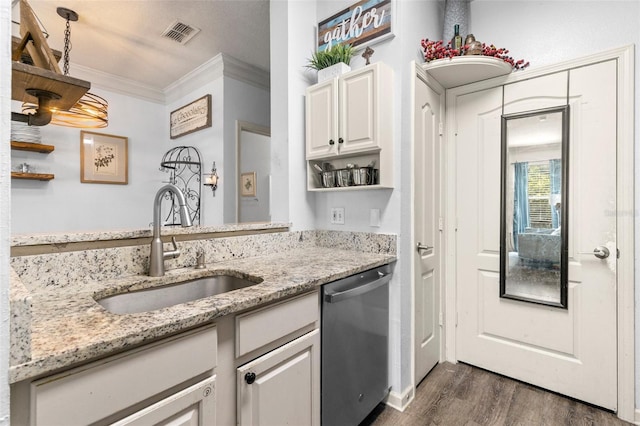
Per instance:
{"type": "Point", "coordinates": [173, 294]}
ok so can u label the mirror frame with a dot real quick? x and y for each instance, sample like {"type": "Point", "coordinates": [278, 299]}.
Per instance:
{"type": "Point", "coordinates": [564, 244]}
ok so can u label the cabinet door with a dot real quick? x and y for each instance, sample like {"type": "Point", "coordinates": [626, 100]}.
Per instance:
{"type": "Point", "coordinates": [283, 386]}
{"type": "Point", "coordinates": [194, 406]}
{"type": "Point", "coordinates": [359, 100]}
{"type": "Point", "coordinates": [321, 104]}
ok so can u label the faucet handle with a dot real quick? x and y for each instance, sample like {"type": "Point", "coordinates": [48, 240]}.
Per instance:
{"type": "Point", "coordinates": [173, 253]}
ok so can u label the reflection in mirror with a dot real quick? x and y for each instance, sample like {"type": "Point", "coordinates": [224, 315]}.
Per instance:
{"type": "Point", "coordinates": [533, 229]}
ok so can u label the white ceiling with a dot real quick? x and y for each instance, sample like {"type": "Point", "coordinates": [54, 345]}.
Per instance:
{"type": "Point", "coordinates": [123, 38]}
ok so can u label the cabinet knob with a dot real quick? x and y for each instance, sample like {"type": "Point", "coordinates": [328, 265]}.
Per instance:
{"type": "Point", "coordinates": [340, 140]}
{"type": "Point", "coordinates": [331, 142]}
{"type": "Point", "coordinates": [250, 377]}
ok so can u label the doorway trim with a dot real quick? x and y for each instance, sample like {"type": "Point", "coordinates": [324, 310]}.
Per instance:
{"type": "Point", "coordinates": [625, 213]}
{"type": "Point", "coordinates": [246, 127]}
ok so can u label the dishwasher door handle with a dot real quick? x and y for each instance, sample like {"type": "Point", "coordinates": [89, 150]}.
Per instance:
{"type": "Point", "coordinates": [357, 291]}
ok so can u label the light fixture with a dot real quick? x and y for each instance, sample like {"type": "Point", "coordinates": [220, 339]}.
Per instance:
{"type": "Point", "coordinates": [91, 111]}
{"type": "Point", "coordinates": [211, 179]}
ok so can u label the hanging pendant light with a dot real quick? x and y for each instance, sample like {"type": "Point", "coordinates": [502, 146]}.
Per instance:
{"type": "Point", "coordinates": [91, 111]}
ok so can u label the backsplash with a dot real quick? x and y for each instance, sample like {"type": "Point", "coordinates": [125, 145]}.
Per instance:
{"type": "Point", "coordinates": [57, 270]}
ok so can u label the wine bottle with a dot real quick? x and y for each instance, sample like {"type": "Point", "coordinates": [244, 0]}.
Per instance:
{"type": "Point", "coordinates": [456, 41]}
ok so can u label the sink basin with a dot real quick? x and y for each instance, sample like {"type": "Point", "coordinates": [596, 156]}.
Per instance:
{"type": "Point", "coordinates": [173, 294]}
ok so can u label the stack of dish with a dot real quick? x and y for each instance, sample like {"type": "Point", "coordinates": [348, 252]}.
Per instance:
{"type": "Point", "coordinates": [22, 132]}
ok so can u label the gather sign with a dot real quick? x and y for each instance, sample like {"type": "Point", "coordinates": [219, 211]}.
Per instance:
{"type": "Point", "coordinates": [359, 24]}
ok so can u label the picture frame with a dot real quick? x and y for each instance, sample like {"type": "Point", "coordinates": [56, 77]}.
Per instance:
{"type": "Point", "coordinates": [103, 158]}
{"type": "Point", "coordinates": [248, 184]}
{"type": "Point", "coordinates": [190, 118]}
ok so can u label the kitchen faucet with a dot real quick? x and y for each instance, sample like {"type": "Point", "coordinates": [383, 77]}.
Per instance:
{"type": "Point", "coordinates": [157, 256]}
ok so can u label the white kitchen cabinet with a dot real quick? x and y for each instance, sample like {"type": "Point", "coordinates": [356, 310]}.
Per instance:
{"type": "Point", "coordinates": [349, 120]}
{"type": "Point", "coordinates": [277, 376]}
{"type": "Point", "coordinates": [282, 387]}
{"type": "Point", "coordinates": [149, 382]}
{"type": "Point", "coordinates": [194, 406]}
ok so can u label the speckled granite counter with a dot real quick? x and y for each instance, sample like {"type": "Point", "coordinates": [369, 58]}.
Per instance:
{"type": "Point", "coordinates": [69, 328]}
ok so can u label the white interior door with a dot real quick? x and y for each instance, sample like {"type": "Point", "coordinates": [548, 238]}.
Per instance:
{"type": "Point", "coordinates": [571, 351]}
{"type": "Point", "coordinates": [427, 238]}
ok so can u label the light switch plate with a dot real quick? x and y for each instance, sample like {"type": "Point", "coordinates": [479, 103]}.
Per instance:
{"type": "Point", "coordinates": [374, 218]}
{"type": "Point", "coordinates": [337, 215]}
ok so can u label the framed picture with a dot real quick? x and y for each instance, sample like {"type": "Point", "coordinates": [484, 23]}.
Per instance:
{"type": "Point", "coordinates": [103, 158]}
{"type": "Point", "coordinates": [248, 184]}
{"type": "Point", "coordinates": [190, 118]}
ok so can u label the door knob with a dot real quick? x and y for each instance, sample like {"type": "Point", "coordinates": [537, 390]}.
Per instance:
{"type": "Point", "coordinates": [601, 252]}
{"type": "Point", "coordinates": [331, 142]}
{"type": "Point", "coordinates": [420, 247]}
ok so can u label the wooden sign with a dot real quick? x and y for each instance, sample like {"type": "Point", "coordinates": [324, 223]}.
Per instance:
{"type": "Point", "coordinates": [191, 117]}
{"type": "Point", "coordinates": [358, 25]}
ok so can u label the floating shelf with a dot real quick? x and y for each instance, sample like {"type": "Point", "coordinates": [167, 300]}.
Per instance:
{"type": "Point", "coordinates": [33, 147]}
{"type": "Point", "coordinates": [25, 77]}
{"type": "Point", "coordinates": [461, 70]}
{"type": "Point", "coordinates": [32, 176]}
{"type": "Point", "coordinates": [349, 188]}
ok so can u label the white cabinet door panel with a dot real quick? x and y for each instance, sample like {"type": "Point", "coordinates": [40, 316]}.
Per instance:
{"type": "Point", "coordinates": [286, 387]}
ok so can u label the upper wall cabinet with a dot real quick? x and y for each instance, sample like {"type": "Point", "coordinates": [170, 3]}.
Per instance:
{"type": "Point", "coordinates": [349, 131]}
{"type": "Point", "coordinates": [350, 114]}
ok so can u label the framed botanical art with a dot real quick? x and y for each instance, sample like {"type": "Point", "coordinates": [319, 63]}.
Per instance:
{"type": "Point", "coordinates": [103, 158]}
{"type": "Point", "coordinates": [248, 184]}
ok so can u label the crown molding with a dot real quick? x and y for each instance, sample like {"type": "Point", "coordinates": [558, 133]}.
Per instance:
{"type": "Point", "coordinates": [193, 80]}
{"type": "Point", "coordinates": [221, 65]}
{"type": "Point", "coordinates": [247, 73]}
{"type": "Point", "coordinates": [118, 84]}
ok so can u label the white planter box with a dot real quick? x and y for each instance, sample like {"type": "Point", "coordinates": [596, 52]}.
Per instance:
{"type": "Point", "coordinates": [333, 71]}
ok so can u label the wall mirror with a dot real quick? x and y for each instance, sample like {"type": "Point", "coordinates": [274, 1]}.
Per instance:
{"type": "Point", "coordinates": [533, 214]}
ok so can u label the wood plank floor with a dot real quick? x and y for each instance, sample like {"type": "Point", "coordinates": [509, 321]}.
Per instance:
{"type": "Point", "coordinates": [459, 394]}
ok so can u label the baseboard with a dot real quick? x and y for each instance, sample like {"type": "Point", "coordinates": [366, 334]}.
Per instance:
{"type": "Point", "coordinates": [400, 401]}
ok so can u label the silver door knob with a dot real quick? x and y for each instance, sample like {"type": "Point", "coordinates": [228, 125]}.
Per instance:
{"type": "Point", "coordinates": [601, 252]}
{"type": "Point", "coordinates": [420, 247]}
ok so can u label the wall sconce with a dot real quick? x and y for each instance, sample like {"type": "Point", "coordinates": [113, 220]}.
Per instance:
{"type": "Point", "coordinates": [211, 179]}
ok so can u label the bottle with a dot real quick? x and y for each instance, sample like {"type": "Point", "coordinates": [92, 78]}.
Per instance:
{"type": "Point", "coordinates": [456, 41]}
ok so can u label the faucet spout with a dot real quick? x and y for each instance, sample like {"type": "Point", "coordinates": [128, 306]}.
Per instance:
{"type": "Point", "coordinates": [157, 255]}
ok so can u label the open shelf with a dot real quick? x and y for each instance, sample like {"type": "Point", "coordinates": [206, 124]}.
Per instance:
{"type": "Point", "coordinates": [32, 147]}
{"type": "Point", "coordinates": [461, 70]}
{"type": "Point", "coordinates": [349, 188]}
{"type": "Point", "coordinates": [31, 176]}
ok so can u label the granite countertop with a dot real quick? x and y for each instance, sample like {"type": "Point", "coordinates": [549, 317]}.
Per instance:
{"type": "Point", "coordinates": [69, 328]}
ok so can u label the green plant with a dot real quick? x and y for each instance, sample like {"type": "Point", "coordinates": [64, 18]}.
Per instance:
{"type": "Point", "coordinates": [325, 58]}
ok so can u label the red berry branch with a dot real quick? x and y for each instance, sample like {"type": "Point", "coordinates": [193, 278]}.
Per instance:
{"type": "Point", "coordinates": [438, 50]}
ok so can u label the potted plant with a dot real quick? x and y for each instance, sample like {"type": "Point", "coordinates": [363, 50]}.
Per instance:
{"type": "Point", "coordinates": [332, 61]}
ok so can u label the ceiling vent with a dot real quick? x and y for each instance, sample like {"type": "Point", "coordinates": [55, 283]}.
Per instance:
{"type": "Point", "coordinates": [180, 32]}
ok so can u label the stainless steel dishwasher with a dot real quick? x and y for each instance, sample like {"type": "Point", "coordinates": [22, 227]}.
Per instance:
{"type": "Point", "coordinates": [355, 342]}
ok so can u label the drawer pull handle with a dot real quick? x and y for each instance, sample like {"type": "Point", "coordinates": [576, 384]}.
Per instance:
{"type": "Point", "coordinates": [331, 142]}
{"type": "Point", "coordinates": [250, 377]}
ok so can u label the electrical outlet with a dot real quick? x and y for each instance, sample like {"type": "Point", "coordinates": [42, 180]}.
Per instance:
{"type": "Point", "coordinates": [337, 215]}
